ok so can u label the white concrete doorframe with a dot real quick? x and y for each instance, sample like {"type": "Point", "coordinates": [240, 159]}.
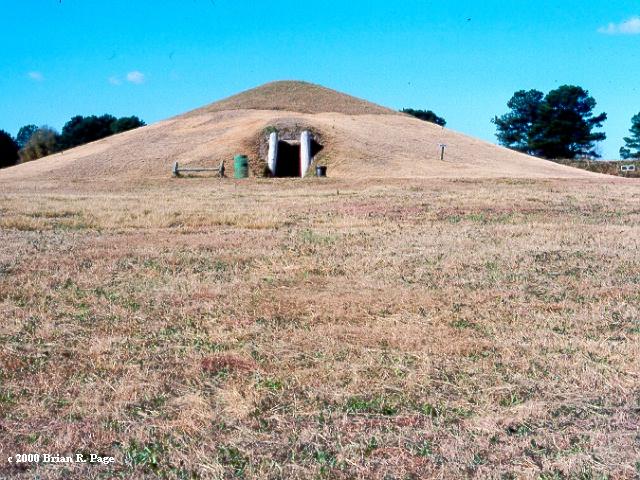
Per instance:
{"type": "Point", "coordinates": [305, 152]}
{"type": "Point", "coordinates": [272, 156]}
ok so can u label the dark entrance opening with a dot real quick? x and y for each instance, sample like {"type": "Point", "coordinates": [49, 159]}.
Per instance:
{"type": "Point", "coordinates": [288, 161]}
{"type": "Point", "coordinates": [315, 148]}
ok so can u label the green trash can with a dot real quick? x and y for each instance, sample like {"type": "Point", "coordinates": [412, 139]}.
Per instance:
{"type": "Point", "coordinates": [240, 166]}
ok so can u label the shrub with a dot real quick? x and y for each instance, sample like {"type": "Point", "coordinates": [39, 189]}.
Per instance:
{"type": "Point", "coordinates": [8, 150]}
{"type": "Point", "coordinates": [43, 142]}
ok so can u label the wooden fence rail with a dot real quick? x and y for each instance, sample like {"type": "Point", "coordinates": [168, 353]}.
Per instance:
{"type": "Point", "coordinates": [177, 170]}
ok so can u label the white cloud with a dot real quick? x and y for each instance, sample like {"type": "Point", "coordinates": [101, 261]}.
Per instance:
{"type": "Point", "coordinates": [628, 27]}
{"type": "Point", "coordinates": [135, 77]}
{"type": "Point", "coordinates": [37, 76]}
{"type": "Point", "coordinates": [115, 80]}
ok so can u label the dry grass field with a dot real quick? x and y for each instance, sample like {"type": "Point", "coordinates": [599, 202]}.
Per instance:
{"type": "Point", "coordinates": [296, 329]}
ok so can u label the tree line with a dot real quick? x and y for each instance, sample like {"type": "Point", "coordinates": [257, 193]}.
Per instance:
{"type": "Point", "coordinates": [556, 126]}
{"type": "Point", "coordinates": [559, 125]}
{"type": "Point", "coordinates": [426, 115]}
{"type": "Point", "coordinates": [33, 142]}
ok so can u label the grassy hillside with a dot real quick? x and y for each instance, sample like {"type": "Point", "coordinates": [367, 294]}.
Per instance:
{"type": "Point", "coordinates": [323, 329]}
{"type": "Point", "coordinates": [360, 140]}
{"type": "Point", "coordinates": [296, 96]}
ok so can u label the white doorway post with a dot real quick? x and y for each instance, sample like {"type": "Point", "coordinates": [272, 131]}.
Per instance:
{"type": "Point", "coordinates": [305, 152]}
{"type": "Point", "coordinates": [272, 156]}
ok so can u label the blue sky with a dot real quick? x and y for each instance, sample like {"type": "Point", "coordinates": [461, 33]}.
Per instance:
{"type": "Point", "coordinates": [462, 59]}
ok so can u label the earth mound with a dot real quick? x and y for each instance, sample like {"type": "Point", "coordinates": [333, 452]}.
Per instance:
{"type": "Point", "coordinates": [359, 140]}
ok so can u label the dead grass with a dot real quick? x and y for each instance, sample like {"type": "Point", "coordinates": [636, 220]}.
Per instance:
{"type": "Point", "coordinates": [305, 329]}
{"type": "Point", "coordinates": [296, 96]}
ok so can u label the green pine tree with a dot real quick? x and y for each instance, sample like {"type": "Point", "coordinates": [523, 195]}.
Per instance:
{"type": "Point", "coordinates": [631, 148]}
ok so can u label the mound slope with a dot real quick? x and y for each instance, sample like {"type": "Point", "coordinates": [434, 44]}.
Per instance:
{"type": "Point", "coordinates": [361, 140]}
{"type": "Point", "coordinates": [293, 96]}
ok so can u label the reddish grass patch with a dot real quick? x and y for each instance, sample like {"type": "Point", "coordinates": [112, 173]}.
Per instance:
{"type": "Point", "coordinates": [232, 363]}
